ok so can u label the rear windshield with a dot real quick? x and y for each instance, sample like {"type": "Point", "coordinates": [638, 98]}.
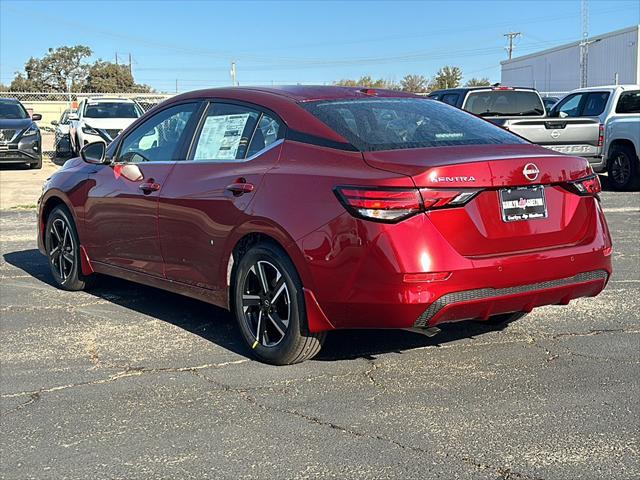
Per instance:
{"type": "Point", "coordinates": [111, 110]}
{"type": "Point", "coordinates": [400, 123]}
{"type": "Point", "coordinates": [496, 103]}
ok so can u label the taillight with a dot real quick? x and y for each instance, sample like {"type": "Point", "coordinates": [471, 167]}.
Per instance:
{"type": "Point", "coordinates": [601, 135]}
{"type": "Point", "coordinates": [589, 186]}
{"type": "Point", "coordinates": [394, 204]}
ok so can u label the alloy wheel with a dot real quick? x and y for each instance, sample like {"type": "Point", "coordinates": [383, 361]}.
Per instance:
{"type": "Point", "coordinates": [266, 303]}
{"type": "Point", "coordinates": [61, 249]}
{"type": "Point", "coordinates": [621, 168]}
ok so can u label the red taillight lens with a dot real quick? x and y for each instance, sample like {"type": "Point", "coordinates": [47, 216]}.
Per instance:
{"type": "Point", "coordinates": [394, 204]}
{"type": "Point", "coordinates": [445, 198]}
{"type": "Point", "coordinates": [601, 135]}
{"type": "Point", "coordinates": [385, 205]}
{"type": "Point", "coordinates": [589, 186]}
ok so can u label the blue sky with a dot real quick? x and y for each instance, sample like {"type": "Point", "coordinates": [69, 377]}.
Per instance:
{"type": "Point", "coordinates": [194, 42]}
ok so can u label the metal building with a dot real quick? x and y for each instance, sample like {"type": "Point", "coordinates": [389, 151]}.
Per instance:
{"type": "Point", "coordinates": [613, 58]}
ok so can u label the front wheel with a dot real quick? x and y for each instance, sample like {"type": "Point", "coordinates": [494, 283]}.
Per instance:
{"type": "Point", "coordinates": [622, 168]}
{"type": "Point", "coordinates": [63, 251]}
{"type": "Point", "coordinates": [269, 307]}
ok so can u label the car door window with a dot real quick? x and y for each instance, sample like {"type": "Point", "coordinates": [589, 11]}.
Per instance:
{"type": "Point", "coordinates": [629, 102]}
{"type": "Point", "coordinates": [158, 138]}
{"type": "Point", "coordinates": [268, 131]}
{"type": "Point", "coordinates": [225, 133]}
{"type": "Point", "coordinates": [569, 107]}
{"type": "Point", "coordinates": [451, 98]}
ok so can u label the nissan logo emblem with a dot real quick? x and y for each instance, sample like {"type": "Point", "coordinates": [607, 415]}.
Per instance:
{"type": "Point", "coordinates": [555, 134]}
{"type": "Point", "coordinates": [530, 171]}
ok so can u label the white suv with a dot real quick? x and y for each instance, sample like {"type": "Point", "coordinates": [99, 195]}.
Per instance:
{"type": "Point", "coordinates": [101, 119]}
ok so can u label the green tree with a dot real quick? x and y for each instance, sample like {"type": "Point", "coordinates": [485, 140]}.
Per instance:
{"type": "Point", "coordinates": [109, 77]}
{"type": "Point", "coordinates": [52, 72]}
{"type": "Point", "coordinates": [367, 81]}
{"type": "Point", "coordinates": [448, 77]}
{"type": "Point", "coordinates": [478, 82]}
{"type": "Point", "coordinates": [415, 84]}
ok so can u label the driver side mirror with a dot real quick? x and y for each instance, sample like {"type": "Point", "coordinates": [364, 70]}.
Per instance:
{"type": "Point", "coordinates": [36, 117]}
{"type": "Point", "coordinates": [94, 153]}
{"type": "Point", "coordinates": [54, 122]}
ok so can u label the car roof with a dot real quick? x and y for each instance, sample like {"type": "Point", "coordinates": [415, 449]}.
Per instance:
{"type": "Point", "coordinates": [9, 100]}
{"type": "Point", "coordinates": [307, 93]}
{"type": "Point", "coordinates": [109, 100]}
{"type": "Point", "coordinates": [485, 87]}
{"type": "Point", "coordinates": [607, 87]}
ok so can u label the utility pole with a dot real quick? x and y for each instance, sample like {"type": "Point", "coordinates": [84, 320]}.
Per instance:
{"type": "Point", "coordinates": [511, 36]}
{"type": "Point", "coordinates": [584, 43]}
{"type": "Point", "coordinates": [130, 71]}
{"type": "Point", "coordinates": [116, 58]}
{"type": "Point", "coordinates": [234, 74]}
{"type": "Point", "coordinates": [176, 85]}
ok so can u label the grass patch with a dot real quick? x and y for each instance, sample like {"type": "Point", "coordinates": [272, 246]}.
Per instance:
{"type": "Point", "coordinates": [26, 206]}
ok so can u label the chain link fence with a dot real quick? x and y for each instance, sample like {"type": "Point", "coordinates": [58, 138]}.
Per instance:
{"type": "Point", "coordinates": [51, 105]}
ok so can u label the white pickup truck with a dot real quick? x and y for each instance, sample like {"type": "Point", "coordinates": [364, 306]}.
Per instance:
{"type": "Point", "coordinates": [598, 123]}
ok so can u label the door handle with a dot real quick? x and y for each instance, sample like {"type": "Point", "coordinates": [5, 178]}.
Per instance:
{"type": "Point", "coordinates": [149, 187]}
{"type": "Point", "coordinates": [240, 187]}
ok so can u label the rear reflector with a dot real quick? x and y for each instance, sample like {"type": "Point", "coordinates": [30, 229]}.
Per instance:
{"type": "Point", "coordinates": [394, 204]}
{"type": "Point", "coordinates": [426, 277]}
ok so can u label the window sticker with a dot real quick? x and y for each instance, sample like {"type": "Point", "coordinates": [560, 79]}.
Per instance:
{"type": "Point", "coordinates": [220, 137]}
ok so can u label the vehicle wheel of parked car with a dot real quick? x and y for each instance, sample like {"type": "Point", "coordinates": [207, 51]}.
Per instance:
{"type": "Point", "coordinates": [37, 165]}
{"type": "Point", "coordinates": [269, 307]}
{"type": "Point", "coordinates": [63, 251]}
{"type": "Point", "coordinates": [623, 168]}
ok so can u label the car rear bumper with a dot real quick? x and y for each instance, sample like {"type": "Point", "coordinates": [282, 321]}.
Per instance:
{"type": "Point", "coordinates": [362, 284]}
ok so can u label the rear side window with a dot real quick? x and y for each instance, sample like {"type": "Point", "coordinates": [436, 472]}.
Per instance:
{"type": "Point", "coordinates": [268, 131]}
{"type": "Point", "coordinates": [494, 103]}
{"type": "Point", "coordinates": [450, 98]}
{"type": "Point", "coordinates": [595, 104]}
{"type": "Point", "coordinates": [629, 102]}
{"type": "Point", "coordinates": [401, 123]}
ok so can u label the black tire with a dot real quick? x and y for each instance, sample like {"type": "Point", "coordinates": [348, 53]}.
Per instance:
{"type": "Point", "coordinates": [61, 236]}
{"type": "Point", "coordinates": [37, 165]}
{"type": "Point", "coordinates": [623, 168]}
{"type": "Point", "coordinates": [261, 315]}
{"type": "Point", "coordinates": [503, 318]}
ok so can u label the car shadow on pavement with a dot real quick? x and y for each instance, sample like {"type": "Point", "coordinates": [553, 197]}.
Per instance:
{"type": "Point", "coordinates": [218, 326]}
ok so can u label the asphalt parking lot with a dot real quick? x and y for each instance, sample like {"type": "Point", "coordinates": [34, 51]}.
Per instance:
{"type": "Point", "coordinates": [131, 382]}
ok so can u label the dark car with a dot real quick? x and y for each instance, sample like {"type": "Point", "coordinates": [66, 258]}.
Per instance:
{"type": "Point", "coordinates": [308, 209]}
{"type": "Point", "coordinates": [20, 140]}
{"type": "Point", "coordinates": [549, 102]}
{"type": "Point", "coordinates": [496, 104]}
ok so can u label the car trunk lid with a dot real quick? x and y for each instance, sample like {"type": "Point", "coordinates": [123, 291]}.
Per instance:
{"type": "Point", "coordinates": [479, 228]}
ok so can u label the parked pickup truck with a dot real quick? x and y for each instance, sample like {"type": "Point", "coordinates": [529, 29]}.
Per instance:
{"type": "Point", "coordinates": [622, 142]}
{"type": "Point", "coordinates": [576, 125]}
{"type": "Point", "coordinates": [497, 104]}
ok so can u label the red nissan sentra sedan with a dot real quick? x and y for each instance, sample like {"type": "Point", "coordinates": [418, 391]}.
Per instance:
{"type": "Point", "coordinates": [308, 209]}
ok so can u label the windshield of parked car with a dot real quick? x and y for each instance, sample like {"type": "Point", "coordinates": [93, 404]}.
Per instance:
{"type": "Point", "coordinates": [497, 103]}
{"type": "Point", "coordinates": [400, 123]}
{"type": "Point", "coordinates": [112, 110]}
{"type": "Point", "coordinates": [12, 110]}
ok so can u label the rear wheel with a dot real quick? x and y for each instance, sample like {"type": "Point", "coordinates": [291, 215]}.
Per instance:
{"type": "Point", "coordinates": [63, 251]}
{"type": "Point", "coordinates": [269, 307]}
{"type": "Point", "coordinates": [623, 168]}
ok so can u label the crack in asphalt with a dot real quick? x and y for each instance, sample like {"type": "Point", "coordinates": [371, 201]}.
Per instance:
{"type": "Point", "coordinates": [505, 473]}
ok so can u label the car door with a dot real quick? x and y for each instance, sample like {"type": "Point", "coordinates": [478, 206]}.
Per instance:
{"type": "Point", "coordinates": [205, 196]}
{"type": "Point", "coordinates": [122, 205]}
